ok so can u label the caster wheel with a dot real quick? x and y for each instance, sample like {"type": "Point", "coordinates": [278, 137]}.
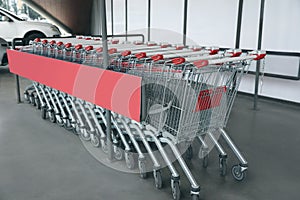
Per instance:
{"type": "Point", "coordinates": [84, 135]}
{"type": "Point", "coordinates": [143, 171]}
{"type": "Point", "coordinates": [118, 153]}
{"type": "Point", "coordinates": [43, 113]}
{"type": "Point", "coordinates": [205, 161]}
{"type": "Point", "coordinates": [237, 173]}
{"type": "Point", "coordinates": [52, 116]}
{"type": "Point", "coordinates": [175, 190]}
{"type": "Point", "coordinates": [68, 125]}
{"type": "Point", "coordinates": [37, 103]}
{"type": "Point", "coordinates": [60, 122]}
{"type": "Point", "coordinates": [26, 96]}
{"type": "Point", "coordinates": [32, 100]}
{"type": "Point", "coordinates": [157, 179]}
{"type": "Point", "coordinates": [223, 166]}
{"type": "Point", "coordinates": [189, 153]}
{"type": "Point", "coordinates": [129, 159]}
{"type": "Point", "coordinates": [195, 197]}
{"type": "Point", "coordinates": [95, 141]}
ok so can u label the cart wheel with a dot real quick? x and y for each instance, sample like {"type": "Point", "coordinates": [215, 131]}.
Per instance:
{"type": "Point", "coordinates": [60, 122]}
{"type": "Point", "coordinates": [143, 171]}
{"type": "Point", "coordinates": [176, 190]}
{"type": "Point", "coordinates": [95, 141]}
{"type": "Point", "coordinates": [68, 125]}
{"type": "Point", "coordinates": [129, 159]}
{"type": "Point", "coordinates": [189, 153]}
{"type": "Point", "coordinates": [84, 135]}
{"type": "Point", "coordinates": [118, 153]}
{"type": "Point", "coordinates": [52, 116]}
{"type": "Point", "coordinates": [237, 173]}
{"type": "Point", "coordinates": [105, 148]}
{"type": "Point", "coordinates": [223, 166]}
{"type": "Point", "coordinates": [195, 197]}
{"type": "Point", "coordinates": [157, 179]}
{"type": "Point", "coordinates": [44, 113]}
{"type": "Point", "coordinates": [26, 96]}
{"type": "Point", "coordinates": [37, 103]}
{"type": "Point", "coordinates": [205, 161]}
{"type": "Point", "coordinates": [32, 100]}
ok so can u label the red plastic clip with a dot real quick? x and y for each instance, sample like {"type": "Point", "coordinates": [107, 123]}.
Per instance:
{"type": "Point", "coordinates": [89, 48]}
{"type": "Point", "coordinates": [179, 47]}
{"type": "Point", "coordinates": [88, 38]}
{"type": "Point", "coordinates": [164, 45]}
{"type": "Point", "coordinates": [60, 43]}
{"type": "Point", "coordinates": [99, 50]}
{"type": "Point", "coordinates": [37, 39]}
{"type": "Point", "coordinates": [68, 45]}
{"type": "Point", "coordinates": [45, 41]}
{"type": "Point", "coordinates": [78, 46]}
{"type": "Point", "coordinates": [260, 56]}
{"type": "Point", "coordinates": [115, 41]}
{"type": "Point", "coordinates": [140, 55]}
{"type": "Point", "coordinates": [200, 63]}
{"type": "Point", "coordinates": [213, 51]}
{"type": "Point", "coordinates": [236, 54]}
{"type": "Point", "coordinates": [157, 57]}
{"type": "Point", "coordinates": [137, 42]}
{"type": "Point", "coordinates": [126, 53]}
{"type": "Point", "coordinates": [112, 51]}
{"type": "Point", "coordinates": [52, 42]}
{"type": "Point", "coordinates": [178, 61]}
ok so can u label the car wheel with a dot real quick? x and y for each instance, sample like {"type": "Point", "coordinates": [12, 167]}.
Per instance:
{"type": "Point", "coordinates": [32, 36]}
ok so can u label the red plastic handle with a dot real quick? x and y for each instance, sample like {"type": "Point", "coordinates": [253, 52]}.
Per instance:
{"type": "Point", "coordinates": [89, 48]}
{"type": "Point", "coordinates": [260, 56]}
{"type": "Point", "coordinates": [200, 63]}
{"type": "Point", "coordinates": [151, 44]}
{"type": "Point", "coordinates": [115, 41]}
{"type": "Point", "coordinates": [126, 53]}
{"type": "Point", "coordinates": [45, 41]}
{"type": "Point", "coordinates": [157, 57]}
{"type": "Point", "coordinates": [178, 61]}
{"type": "Point", "coordinates": [99, 50]}
{"type": "Point", "coordinates": [79, 37]}
{"type": "Point", "coordinates": [236, 54]}
{"type": "Point", "coordinates": [112, 51]}
{"type": "Point", "coordinates": [78, 46]}
{"type": "Point", "coordinates": [37, 39]}
{"type": "Point", "coordinates": [52, 42]}
{"type": "Point", "coordinates": [213, 51]}
{"type": "Point", "coordinates": [179, 47]}
{"type": "Point", "coordinates": [140, 55]}
{"type": "Point", "coordinates": [60, 44]}
{"type": "Point", "coordinates": [164, 45]}
{"type": "Point", "coordinates": [88, 38]}
{"type": "Point", "coordinates": [68, 45]}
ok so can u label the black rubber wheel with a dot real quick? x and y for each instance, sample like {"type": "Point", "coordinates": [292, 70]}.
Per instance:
{"type": "Point", "coordinates": [37, 102]}
{"type": "Point", "coordinates": [44, 112]}
{"type": "Point", "coordinates": [195, 197]}
{"type": "Point", "coordinates": [95, 141]}
{"type": "Point", "coordinates": [223, 166]}
{"type": "Point", "coordinates": [26, 96]}
{"type": "Point", "coordinates": [129, 159]}
{"type": "Point", "coordinates": [237, 173]}
{"type": "Point", "coordinates": [60, 122]}
{"type": "Point", "coordinates": [33, 36]}
{"type": "Point", "coordinates": [205, 161]}
{"type": "Point", "coordinates": [189, 153]}
{"type": "Point", "coordinates": [157, 179]}
{"type": "Point", "coordinates": [85, 135]}
{"type": "Point", "coordinates": [176, 190]}
{"type": "Point", "coordinates": [52, 117]}
{"type": "Point", "coordinates": [32, 100]}
{"type": "Point", "coordinates": [118, 153]}
{"type": "Point", "coordinates": [143, 170]}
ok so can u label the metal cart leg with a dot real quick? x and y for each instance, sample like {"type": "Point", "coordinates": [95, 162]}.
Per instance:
{"type": "Point", "coordinates": [18, 89]}
{"type": "Point", "coordinates": [222, 155]}
{"type": "Point", "coordinates": [238, 171]}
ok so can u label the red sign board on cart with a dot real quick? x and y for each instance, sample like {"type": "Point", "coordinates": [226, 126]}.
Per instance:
{"type": "Point", "coordinates": [118, 92]}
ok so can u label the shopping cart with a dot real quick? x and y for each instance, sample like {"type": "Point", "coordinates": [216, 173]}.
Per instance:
{"type": "Point", "coordinates": [187, 93]}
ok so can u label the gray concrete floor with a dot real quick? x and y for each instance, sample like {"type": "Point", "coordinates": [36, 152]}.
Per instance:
{"type": "Point", "coordinates": [39, 160]}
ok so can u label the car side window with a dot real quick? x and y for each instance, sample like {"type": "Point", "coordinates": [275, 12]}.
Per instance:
{"type": "Point", "coordinates": [3, 18]}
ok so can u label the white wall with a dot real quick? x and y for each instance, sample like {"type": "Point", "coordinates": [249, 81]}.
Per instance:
{"type": "Point", "coordinates": [213, 22]}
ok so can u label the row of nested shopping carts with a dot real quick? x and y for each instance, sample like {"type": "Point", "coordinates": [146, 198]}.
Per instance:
{"type": "Point", "coordinates": [187, 95]}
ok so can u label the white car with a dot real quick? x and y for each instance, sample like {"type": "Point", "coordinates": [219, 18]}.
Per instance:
{"type": "Point", "coordinates": [3, 47]}
{"type": "Point", "coordinates": [11, 26]}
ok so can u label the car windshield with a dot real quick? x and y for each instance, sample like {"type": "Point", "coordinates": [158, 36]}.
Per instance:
{"type": "Point", "coordinates": [11, 15]}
